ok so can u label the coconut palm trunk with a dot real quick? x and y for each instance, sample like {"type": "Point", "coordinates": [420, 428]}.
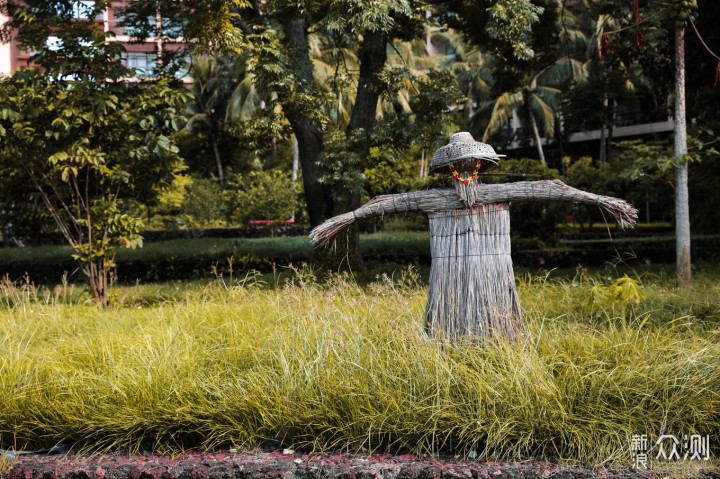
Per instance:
{"type": "Point", "coordinates": [216, 153]}
{"type": "Point", "coordinates": [682, 209]}
{"type": "Point", "coordinates": [533, 125]}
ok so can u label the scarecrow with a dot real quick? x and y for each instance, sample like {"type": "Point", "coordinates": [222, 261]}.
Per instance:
{"type": "Point", "coordinates": [472, 285]}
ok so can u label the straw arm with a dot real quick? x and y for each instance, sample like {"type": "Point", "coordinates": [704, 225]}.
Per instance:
{"type": "Point", "coordinates": [556, 190]}
{"type": "Point", "coordinates": [428, 200]}
{"type": "Point", "coordinates": [446, 199]}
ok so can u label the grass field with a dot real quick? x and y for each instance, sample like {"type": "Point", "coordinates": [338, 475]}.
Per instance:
{"type": "Point", "coordinates": [333, 365]}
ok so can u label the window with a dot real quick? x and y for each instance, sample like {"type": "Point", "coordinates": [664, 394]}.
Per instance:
{"type": "Point", "coordinates": [181, 64]}
{"type": "Point", "coordinates": [53, 43]}
{"type": "Point", "coordinates": [144, 63]}
{"type": "Point", "coordinates": [173, 26]}
{"type": "Point", "coordinates": [136, 26]}
{"type": "Point", "coordinates": [84, 9]}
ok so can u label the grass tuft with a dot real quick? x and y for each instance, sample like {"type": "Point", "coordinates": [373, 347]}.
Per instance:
{"type": "Point", "coordinates": [333, 365]}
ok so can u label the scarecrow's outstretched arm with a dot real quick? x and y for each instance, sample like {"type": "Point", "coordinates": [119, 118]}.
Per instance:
{"type": "Point", "coordinates": [556, 190]}
{"type": "Point", "coordinates": [427, 201]}
{"type": "Point", "coordinates": [446, 199]}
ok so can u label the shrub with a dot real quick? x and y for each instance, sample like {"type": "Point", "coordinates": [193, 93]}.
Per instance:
{"type": "Point", "coordinates": [265, 196]}
{"type": "Point", "coordinates": [204, 205]}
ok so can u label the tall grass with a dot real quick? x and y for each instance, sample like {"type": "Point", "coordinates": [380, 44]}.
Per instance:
{"type": "Point", "coordinates": [338, 366]}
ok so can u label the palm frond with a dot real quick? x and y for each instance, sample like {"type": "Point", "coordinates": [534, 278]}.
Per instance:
{"type": "Point", "coordinates": [545, 112]}
{"type": "Point", "coordinates": [244, 100]}
{"type": "Point", "coordinates": [502, 109]}
{"type": "Point", "coordinates": [195, 121]}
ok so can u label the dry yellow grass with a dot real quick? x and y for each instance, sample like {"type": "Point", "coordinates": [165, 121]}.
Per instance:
{"type": "Point", "coordinates": [334, 365]}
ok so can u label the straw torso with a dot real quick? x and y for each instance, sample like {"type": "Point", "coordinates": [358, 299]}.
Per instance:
{"type": "Point", "coordinates": [472, 286]}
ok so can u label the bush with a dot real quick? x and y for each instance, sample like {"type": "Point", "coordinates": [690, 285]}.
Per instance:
{"type": "Point", "coordinates": [204, 205]}
{"type": "Point", "coordinates": [264, 196]}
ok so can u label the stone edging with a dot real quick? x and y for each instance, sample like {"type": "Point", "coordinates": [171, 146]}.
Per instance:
{"type": "Point", "coordinates": [287, 465]}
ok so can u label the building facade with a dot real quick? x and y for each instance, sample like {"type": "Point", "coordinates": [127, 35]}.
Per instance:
{"type": "Point", "coordinates": [143, 56]}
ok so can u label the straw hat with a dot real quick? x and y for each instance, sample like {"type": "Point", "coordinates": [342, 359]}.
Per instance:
{"type": "Point", "coordinates": [462, 146]}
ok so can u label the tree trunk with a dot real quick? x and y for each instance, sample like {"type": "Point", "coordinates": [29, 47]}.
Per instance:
{"type": "Point", "coordinates": [472, 285]}
{"type": "Point", "coordinates": [216, 152]}
{"type": "Point", "coordinates": [559, 136]}
{"type": "Point", "coordinates": [373, 54]}
{"type": "Point", "coordinates": [533, 124]}
{"type": "Point", "coordinates": [604, 134]}
{"type": "Point", "coordinates": [317, 197]}
{"type": "Point", "coordinates": [295, 163]}
{"type": "Point", "coordinates": [296, 159]}
{"type": "Point", "coordinates": [96, 273]}
{"type": "Point", "coordinates": [682, 209]}
{"type": "Point", "coordinates": [608, 142]}
{"type": "Point", "coordinates": [309, 137]}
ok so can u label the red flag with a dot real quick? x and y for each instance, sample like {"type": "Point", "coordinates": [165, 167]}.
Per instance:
{"type": "Point", "coordinates": [604, 45]}
{"type": "Point", "coordinates": [639, 37]}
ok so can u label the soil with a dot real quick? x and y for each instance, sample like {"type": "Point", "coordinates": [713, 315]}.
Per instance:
{"type": "Point", "coordinates": [290, 465]}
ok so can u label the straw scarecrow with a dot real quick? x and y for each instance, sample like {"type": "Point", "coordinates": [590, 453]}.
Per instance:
{"type": "Point", "coordinates": [472, 285]}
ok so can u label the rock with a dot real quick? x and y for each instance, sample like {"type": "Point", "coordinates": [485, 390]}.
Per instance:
{"type": "Point", "coordinates": [62, 447]}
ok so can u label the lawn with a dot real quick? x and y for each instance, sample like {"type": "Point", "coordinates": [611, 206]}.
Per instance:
{"type": "Point", "coordinates": [333, 365]}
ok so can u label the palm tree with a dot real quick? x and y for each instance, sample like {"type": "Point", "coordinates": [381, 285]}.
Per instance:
{"type": "Point", "coordinates": [212, 87]}
{"type": "Point", "coordinates": [336, 66]}
{"type": "Point", "coordinates": [538, 96]}
{"type": "Point", "coordinates": [470, 67]}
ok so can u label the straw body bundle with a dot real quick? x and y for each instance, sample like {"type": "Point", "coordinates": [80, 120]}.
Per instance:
{"type": "Point", "coordinates": [472, 285]}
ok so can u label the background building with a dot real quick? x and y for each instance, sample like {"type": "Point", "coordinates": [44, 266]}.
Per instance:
{"type": "Point", "coordinates": [144, 56]}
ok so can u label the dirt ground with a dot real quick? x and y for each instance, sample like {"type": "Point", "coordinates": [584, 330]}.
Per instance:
{"type": "Point", "coordinates": [290, 465]}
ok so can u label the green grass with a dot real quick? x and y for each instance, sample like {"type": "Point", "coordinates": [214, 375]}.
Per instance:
{"type": "Point", "coordinates": [339, 366]}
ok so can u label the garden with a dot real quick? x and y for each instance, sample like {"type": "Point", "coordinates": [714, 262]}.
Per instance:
{"type": "Point", "coordinates": [240, 227]}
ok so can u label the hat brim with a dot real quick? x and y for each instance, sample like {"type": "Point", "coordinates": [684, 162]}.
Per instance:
{"type": "Point", "coordinates": [447, 163]}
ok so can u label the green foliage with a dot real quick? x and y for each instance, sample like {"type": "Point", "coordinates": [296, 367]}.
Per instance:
{"type": "Point", "coordinates": [615, 294]}
{"type": "Point", "coordinates": [84, 145]}
{"type": "Point", "coordinates": [651, 159]}
{"type": "Point", "coordinates": [342, 165]}
{"type": "Point", "coordinates": [89, 144]}
{"type": "Point", "coordinates": [513, 29]}
{"type": "Point", "coordinates": [287, 74]}
{"type": "Point", "coordinates": [335, 366]}
{"type": "Point", "coordinates": [356, 17]}
{"type": "Point", "coordinates": [388, 174]}
{"type": "Point", "coordinates": [265, 195]}
{"type": "Point", "coordinates": [77, 50]}
{"type": "Point", "coordinates": [512, 21]}
{"type": "Point", "coordinates": [204, 204]}
{"type": "Point", "coordinates": [649, 163]}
